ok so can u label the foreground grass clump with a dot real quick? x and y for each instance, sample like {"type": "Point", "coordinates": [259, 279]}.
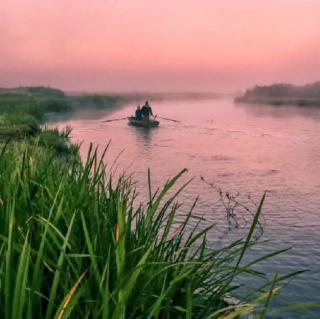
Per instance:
{"type": "Point", "coordinates": [73, 244]}
{"type": "Point", "coordinates": [57, 141]}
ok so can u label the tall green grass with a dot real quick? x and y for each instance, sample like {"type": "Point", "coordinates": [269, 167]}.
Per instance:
{"type": "Point", "coordinates": [74, 243]}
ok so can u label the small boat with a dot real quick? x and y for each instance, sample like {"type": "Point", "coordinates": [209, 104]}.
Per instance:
{"type": "Point", "coordinates": [142, 123]}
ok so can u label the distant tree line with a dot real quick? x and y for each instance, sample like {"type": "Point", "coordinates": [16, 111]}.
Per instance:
{"type": "Point", "coordinates": [309, 91]}
{"type": "Point", "coordinates": [283, 92]}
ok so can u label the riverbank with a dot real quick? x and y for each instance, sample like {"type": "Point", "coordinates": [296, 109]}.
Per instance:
{"type": "Point", "coordinates": [23, 110]}
{"type": "Point", "coordinates": [76, 244]}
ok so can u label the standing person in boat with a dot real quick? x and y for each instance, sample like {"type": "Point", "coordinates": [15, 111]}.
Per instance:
{"type": "Point", "coordinates": [138, 113]}
{"type": "Point", "coordinates": [146, 111]}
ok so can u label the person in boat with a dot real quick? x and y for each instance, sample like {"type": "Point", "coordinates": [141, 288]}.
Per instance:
{"type": "Point", "coordinates": [146, 111]}
{"type": "Point", "coordinates": [138, 114]}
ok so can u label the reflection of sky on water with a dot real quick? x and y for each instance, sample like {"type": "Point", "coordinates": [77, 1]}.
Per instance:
{"type": "Point", "coordinates": [241, 148]}
{"type": "Point", "coordinates": [282, 111]}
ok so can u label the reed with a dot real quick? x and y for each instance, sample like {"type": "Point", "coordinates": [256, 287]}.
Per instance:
{"type": "Point", "coordinates": [74, 243]}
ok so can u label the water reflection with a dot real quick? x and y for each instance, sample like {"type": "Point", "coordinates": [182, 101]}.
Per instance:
{"type": "Point", "coordinates": [143, 137]}
{"type": "Point", "coordinates": [282, 111]}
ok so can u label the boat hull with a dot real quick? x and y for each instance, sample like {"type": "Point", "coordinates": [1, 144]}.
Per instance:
{"type": "Point", "coordinates": [143, 123]}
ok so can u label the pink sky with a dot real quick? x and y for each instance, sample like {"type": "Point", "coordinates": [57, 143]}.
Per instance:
{"type": "Point", "coordinates": [168, 45]}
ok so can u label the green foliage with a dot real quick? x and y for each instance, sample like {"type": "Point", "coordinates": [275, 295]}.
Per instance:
{"type": "Point", "coordinates": [17, 132]}
{"type": "Point", "coordinates": [57, 141]}
{"type": "Point", "coordinates": [37, 101]}
{"type": "Point", "coordinates": [34, 101]}
{"type": "Point", "coordinates": [16, 125]}
{"type": "Point", "coordinates": [54, 105]}
{"type": "Point", "coordinates": [21, 111]}
{"type": "Point", "coordinates": [75, 244]}
{"type": "Point", "coordinates": [19, 119]}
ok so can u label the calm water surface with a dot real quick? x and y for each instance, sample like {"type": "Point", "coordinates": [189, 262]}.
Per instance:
{"type": "Point", "coordinates": [243, 149]}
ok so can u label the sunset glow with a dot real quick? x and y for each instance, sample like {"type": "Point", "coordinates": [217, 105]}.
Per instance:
{"type": "Point", "coordinates": [117, 45]}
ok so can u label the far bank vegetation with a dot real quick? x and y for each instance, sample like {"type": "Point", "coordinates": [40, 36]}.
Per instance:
{"type": "Point", "coordinates": [283, 94]}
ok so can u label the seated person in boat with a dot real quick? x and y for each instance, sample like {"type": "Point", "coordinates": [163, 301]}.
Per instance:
{"type": "Point", "coordinates": [138, 114]}
{"type": "Point", "coordinates": [146, 111]}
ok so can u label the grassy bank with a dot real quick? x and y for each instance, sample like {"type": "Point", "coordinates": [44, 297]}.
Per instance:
{"type": "Point", "coordinates": [22, 110]}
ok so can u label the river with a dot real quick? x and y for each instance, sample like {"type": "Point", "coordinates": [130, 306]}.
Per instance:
{"type": "Point", "coordinates": [242, 149]}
